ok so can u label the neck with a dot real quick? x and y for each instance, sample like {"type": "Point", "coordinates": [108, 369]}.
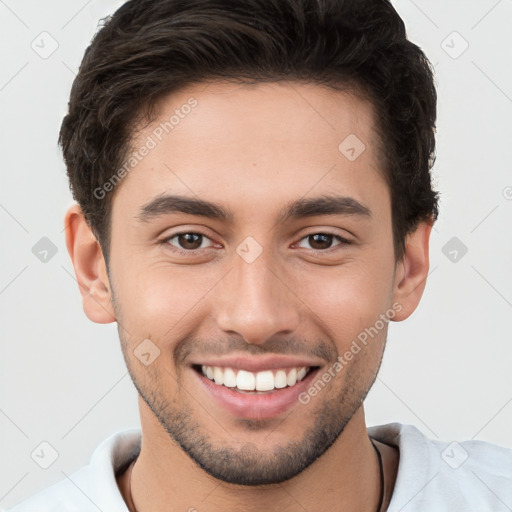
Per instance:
{"type": "Point", "coordinates": [345, 477]}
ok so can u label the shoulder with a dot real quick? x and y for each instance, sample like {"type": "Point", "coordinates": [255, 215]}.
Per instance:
{"type": "Point", "coordinates": [94, 486]}
{"type": "Point", "coordinates": [439, 475]}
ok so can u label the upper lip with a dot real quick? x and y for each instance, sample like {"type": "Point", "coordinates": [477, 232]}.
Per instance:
{"type": "Point", "coordinates": [259, 363]}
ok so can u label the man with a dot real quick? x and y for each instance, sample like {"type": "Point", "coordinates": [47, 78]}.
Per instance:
{"type": "Point", "coordinates": [254, 207]}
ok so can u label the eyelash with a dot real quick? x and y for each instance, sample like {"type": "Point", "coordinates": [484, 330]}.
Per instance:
{"type": "Point", "coordinates": [166, 241]}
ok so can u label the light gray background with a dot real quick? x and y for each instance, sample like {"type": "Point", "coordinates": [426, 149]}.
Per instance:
{"type": "Point", "coordinates": [446, 370]}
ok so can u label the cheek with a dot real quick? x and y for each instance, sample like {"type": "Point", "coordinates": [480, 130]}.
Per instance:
{"type": "Point", "coordinates": [160, 300]}
{"type": "Point", "coordinates": [349, 299]}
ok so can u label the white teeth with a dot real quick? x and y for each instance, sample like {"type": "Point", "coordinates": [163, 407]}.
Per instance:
{"type": "Point", "coordinates": [245, 380]}
{"type": "Point", "coordinates": [291, 378]}
{"type": "Point", "coordinates": [280, 379]}
{"type": "Point", "coordinates": [229, 378]}
{"type": "Point", "coordinates": [218, 375]}
{"type": "Point", "coordinates": [265, 380]}
{"type": "Point", "coordinates": [301, 373]}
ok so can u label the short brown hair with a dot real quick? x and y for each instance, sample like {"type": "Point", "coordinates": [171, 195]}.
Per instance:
{"type": "Point", "coordinates": [150, 48]}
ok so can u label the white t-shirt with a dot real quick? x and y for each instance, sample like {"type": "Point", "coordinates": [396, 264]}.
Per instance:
{"type": "Point", "coordinates": [434, 476]}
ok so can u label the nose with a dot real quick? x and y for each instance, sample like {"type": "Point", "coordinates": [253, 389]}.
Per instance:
{"type": "Point", "coordinates": [257, 302]}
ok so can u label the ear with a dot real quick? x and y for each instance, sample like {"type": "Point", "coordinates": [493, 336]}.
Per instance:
{"type": "Point", "coordinates": [90, 267]}
{"type": "Point", "coordinates": [411, 273]}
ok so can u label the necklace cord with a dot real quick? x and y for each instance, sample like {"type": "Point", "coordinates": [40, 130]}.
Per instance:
{"type": "Point", "coordinates": [131, 505]}
{"type": "Point", "coordinates": [381, 471]}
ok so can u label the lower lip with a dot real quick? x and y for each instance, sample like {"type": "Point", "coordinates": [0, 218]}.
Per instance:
{"type": "Point", "coordinates": [253, 405]}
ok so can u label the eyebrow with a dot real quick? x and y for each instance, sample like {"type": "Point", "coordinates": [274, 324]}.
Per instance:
{"type": "Point", "coordinates": [301, 208]}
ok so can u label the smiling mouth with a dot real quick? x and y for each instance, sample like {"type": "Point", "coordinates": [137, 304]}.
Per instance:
{"type": "Point", "coordinates": [266, 381]}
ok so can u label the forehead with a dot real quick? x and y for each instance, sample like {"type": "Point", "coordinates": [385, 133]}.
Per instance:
{"type": "Point", "coordinates": [255, 144]}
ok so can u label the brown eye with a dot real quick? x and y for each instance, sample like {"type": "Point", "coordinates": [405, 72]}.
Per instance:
{"type": "Point", "coordinates": [322, 241]}
{"type": "Point", "coordinates": [188, 241]}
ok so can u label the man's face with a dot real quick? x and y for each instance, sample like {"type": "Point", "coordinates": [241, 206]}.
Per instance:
{"type": "Point", "coordinates": [253, 291]}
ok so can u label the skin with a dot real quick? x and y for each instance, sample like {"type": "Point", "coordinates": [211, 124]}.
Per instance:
{"type": "Point", "coordinates": [252, 149]}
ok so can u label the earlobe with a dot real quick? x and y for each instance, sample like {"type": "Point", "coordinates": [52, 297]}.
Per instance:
{"type": "Point", "coordinates": [412, 271]}
{"type": "Point", "coordinates": [90, 268]}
